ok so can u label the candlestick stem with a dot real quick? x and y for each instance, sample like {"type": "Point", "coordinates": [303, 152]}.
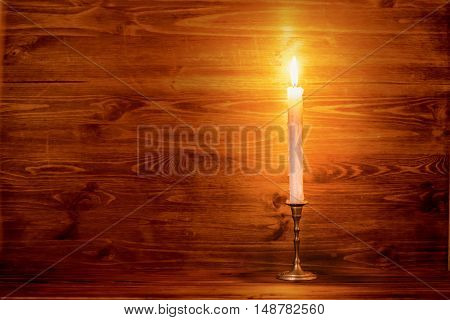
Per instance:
{"type": "Point", "coordinates": [296, 273]}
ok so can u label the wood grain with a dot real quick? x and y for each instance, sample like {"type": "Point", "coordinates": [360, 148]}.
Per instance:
{"type": "Point", "coordinates": [2, 16]}
{"type": "Point", "coordinates": [79, 77]}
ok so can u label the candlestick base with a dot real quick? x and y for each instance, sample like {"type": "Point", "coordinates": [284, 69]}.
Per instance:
{"type": "Point", "coordinates": [297, 273]}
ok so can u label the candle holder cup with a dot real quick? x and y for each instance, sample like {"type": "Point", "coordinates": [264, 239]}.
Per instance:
{"type": "Point", "coordinates": [296, 273]}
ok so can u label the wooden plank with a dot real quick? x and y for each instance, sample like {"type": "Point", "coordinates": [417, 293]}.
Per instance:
{"type": "Point", "coordinates": [208, 66]}
{"type": "Point", "coordinates": [169, 274]}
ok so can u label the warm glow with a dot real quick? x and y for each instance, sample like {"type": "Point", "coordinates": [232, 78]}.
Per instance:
{"type": "Point", "coordinates": [293, 70]}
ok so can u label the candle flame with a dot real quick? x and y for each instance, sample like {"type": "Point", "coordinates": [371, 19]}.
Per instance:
{"type": "Point", "coordinates": [293, 70]}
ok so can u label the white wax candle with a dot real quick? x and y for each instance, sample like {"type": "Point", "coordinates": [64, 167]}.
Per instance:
{"type": "Point", "coordinates": [295, 125]}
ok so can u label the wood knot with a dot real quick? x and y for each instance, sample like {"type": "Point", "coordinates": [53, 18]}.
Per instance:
{"type": "Point", "coordinates": [75, 202]}
{"type": "Point", "coordinates": [107, 253]}
{"type": "Point", "coordinates": [387, 254]}
{"type": "Point", "coordinates": [113, 109]}
{"type": "Point", "coordinates": [89, 197]}
{"type": "Point", "coordinates": [278, 200]}
{"type": "Point", "coordinates": [386, 3]}
{"type": "Point", "coordinates": [91, 187]}
{"type": "Point", "coordinates": [433, 200]}
{"type": "Point", "coordinates": [90, 132]}
{"type": "Point", "coordinates": [18, 48]}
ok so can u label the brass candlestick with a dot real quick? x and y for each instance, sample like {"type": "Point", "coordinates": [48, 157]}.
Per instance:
{"type": "Point", "coordinates": [297, 273]}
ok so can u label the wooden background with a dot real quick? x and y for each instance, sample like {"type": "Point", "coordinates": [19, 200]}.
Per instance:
{"type": "Point", "coordinates": [75, 73]}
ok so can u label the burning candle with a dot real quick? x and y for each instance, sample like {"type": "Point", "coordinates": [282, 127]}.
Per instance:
{"type": "Point", "coordinates": [295, 125]}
